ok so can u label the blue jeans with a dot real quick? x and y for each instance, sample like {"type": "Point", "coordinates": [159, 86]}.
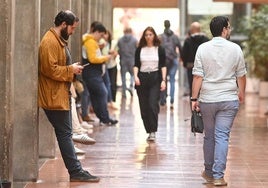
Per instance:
{"type": "Point", "coordinates": [172, 68]}
{"type": "Point", "coordinates": [107, 82]}
{"type": "Point", "coordinates": [85, 101]}
{"type": "Point", "coordinates": [98, 95]}
{"type": "Point", "coordinates": [126, 67]}
{"type": "Point", "coordinates": [218, 120]}
{"type": "Point", "coordinates": [62, 123]}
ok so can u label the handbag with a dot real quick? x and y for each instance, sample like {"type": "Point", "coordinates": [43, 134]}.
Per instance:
{"type": "Point", "coordinates": [197, 125]}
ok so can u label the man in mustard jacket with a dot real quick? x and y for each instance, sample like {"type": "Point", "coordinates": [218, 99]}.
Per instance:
{"type": "Point", "coordinates": [55, 74]}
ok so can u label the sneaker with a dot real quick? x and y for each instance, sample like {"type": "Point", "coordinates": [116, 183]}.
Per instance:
{"type": "Point", "coordinates": [79, 151]}
{"type": "Point", "coordinates": [151, 137]}
{"type": "Point", "coordinates": [83, 176]}
{"type": "Point", "coordinates": [111, 122]}
{"type": "Point", "coordinates": [83, 139]}
{"type": "Point", "coordinates": [219, 182]}
{"type": "Point", "coordinates": [207, 178]}
{"type": "Point", "coordinates": [86, 125]}
{"type": "Point", "coordinates": [112, 106]}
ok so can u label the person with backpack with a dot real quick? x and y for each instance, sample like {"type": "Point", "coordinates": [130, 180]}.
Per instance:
{"type": "Point", "coordinates": [127, 46]}
{"type": "Point", "coordinates": [172, 45]}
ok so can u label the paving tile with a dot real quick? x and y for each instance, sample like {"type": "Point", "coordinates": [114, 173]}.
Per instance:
{"type": "Point", "coordinates": [124, 159]}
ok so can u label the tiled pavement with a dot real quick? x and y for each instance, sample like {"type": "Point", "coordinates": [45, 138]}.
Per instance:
{"type": "Point", "coordinates": [123, 158]}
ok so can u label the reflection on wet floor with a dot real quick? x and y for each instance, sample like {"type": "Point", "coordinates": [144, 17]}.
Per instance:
{"type": "Point", "coordinates": [124, 159]}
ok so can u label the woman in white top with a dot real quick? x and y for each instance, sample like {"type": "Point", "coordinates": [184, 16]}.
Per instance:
{"type": "Point", "coordinates": [149, 75]}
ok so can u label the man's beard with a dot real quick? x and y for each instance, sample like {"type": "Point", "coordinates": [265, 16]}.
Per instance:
{"type": "Point", "coordinates": [64, 33]}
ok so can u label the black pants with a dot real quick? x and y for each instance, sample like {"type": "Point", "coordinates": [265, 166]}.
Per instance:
{"type": "Point", "coordinates": [62, 122]}
{"type": "Point", "coordinates": [148, 93]}
{"type": "Point", "coordinates": [113, 80]}
{"type": "Point", "coordinates": [190, 79]}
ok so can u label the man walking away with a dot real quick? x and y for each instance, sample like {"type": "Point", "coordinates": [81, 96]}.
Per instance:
{"type": "Point", "coordinates": [172, 44]}
{"type": "Point", "coordinates": [218, 86]}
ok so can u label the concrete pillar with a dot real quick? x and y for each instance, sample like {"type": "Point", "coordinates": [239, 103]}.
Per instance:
{"type": "Point", "coordinates": [75, 42]}
{"type": "Point", "coordinates": [25, 142]}
{"type": "Point", "coordinates": [182, 5]}
{"type": "Point", "coordinates": [47, 140]}
{"type": "Point", "coordinates": [93, 11]}
{"type": "Point", "coordinates": [6, 88]}
{"type": "Point", "coordinates": [107, 10]}
{"type": "Point", "coordinates": [63, 5]}
{"type": "Point", "coordinates": [85, 16]}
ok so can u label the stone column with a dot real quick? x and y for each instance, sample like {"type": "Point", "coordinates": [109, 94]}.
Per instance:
{"type": "Point", "coordinates": [75, 42]}
{"type": "Point", "coordinates": [107, 10]}
{"type": "Point", "coordinates": [6, 88]}
{"type": "Point", "coordinates": [93, 11]}
{"type": "Point", "coordinates": [25, 142]}
{"type": "Point", "coordinates": [64, 5]}
{"type": "Point", "coordinates": [85, 16]}
{"type": "Point", "coordinates": [46, 132]}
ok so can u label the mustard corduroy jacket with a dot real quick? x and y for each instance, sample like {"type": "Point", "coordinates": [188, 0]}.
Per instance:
{"type": "Point", "coordinates": [53, 73]}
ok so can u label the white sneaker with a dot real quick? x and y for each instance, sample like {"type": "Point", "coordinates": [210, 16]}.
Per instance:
{"type": "Point", "coordinates": [80, 130]}
{"type": "Point", "coordinates": [86, 125]}
{"type": "Point", "coordinates": [151, 137]}
{"type": "Point", "coordinates": [83, 139]}
{"type": "Point", "coordinates": [112, 105]}
{"type": "Point", "coordinates": [79, 151]}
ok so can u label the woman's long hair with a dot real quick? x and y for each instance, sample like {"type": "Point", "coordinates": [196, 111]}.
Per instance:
{"type": "Point", "coordinates": [156, 41]}
{"type": "Point", "coordinates": [109, 39]}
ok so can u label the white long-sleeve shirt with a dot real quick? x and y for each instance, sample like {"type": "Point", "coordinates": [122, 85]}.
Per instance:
{"type": "Point", "coordinates": [219, 62]}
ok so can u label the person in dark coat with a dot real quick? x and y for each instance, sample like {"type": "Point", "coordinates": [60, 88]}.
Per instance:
{"type": "Point", "coordinates": [189, 49]}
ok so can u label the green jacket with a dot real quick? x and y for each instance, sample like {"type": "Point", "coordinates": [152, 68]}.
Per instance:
{"type": "Point", "coordinates": [53, 73]}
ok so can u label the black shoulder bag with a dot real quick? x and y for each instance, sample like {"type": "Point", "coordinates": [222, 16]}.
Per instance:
{"type": "Point", "coordinates": [197, 125]}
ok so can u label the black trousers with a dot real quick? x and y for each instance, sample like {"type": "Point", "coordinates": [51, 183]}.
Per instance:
{"type": "Point", "coordinates": [149, 94]}
{"type": "Point", "coordinates": [113, 79]}
{"type": "Point", "coordinates": [61, 120]}
{"type": "Point", "coordinates": [190, 79]}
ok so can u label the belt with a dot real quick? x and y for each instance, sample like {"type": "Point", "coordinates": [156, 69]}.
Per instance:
{"type": "Point", "coordinates": [149, 72]}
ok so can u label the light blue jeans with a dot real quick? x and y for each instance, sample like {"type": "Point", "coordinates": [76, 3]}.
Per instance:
{"type": "Point", "coordinates": [126, 67]}
{"type": "Point", "coordinates": [172, 68]}
{"type": "Point", "coordinates": [172, 73]}
{"type": "Point", "coordinates": [218, 120]}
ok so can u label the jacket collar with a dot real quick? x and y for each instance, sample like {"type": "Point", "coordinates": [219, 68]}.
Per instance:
{"type": "Point", "coordinates": [60, 39]}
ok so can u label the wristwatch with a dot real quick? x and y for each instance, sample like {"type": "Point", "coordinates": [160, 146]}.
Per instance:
{"type": "Point", "coordinates": [194, 99]}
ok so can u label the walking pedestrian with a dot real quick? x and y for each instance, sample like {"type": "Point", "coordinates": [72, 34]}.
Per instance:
{"type": "Point", "coordinates": [172, 45]}
{"type": "Point", "coordinates": [218, 85]}
{"type": "Point", "coordinates": [150, 78]}
{"type": "Point", "coordinates": [127, 46]}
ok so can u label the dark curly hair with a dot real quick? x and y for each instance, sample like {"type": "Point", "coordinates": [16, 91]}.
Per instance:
{"type": "Point", "coordinates": [65, 16]}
